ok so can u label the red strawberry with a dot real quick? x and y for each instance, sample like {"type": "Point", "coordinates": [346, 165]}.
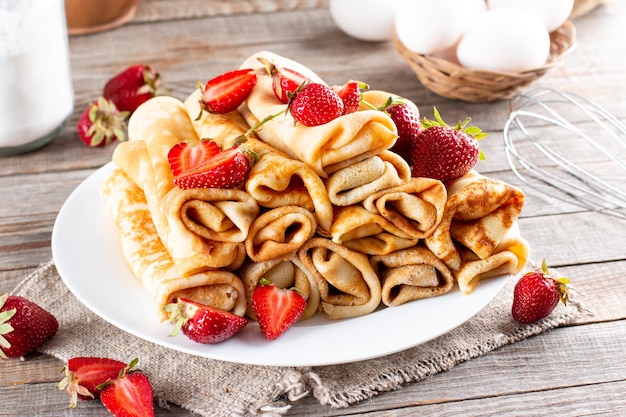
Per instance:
{"type": "Point", "coordinates": [203, 324]}
{"type": "Point", "coordinates": [443, 152]}
{"type": "Point", "coordinates": [132, 87]}
{"type": "Point", "coordinates": [227, 91]}
{"type": "Point", "coordinates": [276, 309]}
{"type": "Point", "coordinates": [84, 374]}
{"type": "Point", "coordinates": [128, 395]}
{"type": "Point", "coordinates": [285, 81]}
{"type": "Point", "coordinates": [406, 117]}
{"type": "Point", "coordinates": [536, 294]}
{"type": "Point", "coordinates": [183, 156]}
{"type": "Point", "coordinates": [315, 104]}
{"type": "Point", "coordinates": [23, 326]}
{"type": "Point", "coordinates": [101, 123]}
{"type": "Point", "coordinates": [225, 169]}
{"type": "Point", "coordinates": [350, 94]}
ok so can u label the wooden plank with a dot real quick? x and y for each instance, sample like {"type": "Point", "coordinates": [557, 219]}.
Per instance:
{"type": "Point", "coordinates": [546, 367]}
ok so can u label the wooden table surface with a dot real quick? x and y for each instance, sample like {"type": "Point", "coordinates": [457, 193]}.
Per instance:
{"type": "Point", "coordinates": [571, 371]}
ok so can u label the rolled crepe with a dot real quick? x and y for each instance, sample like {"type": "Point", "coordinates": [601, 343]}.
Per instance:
{"type": "Point", "coordinates": [275, 180]}
{"type": "Point", "coordinates": [478, 214]}
{"type": "Point", "coordinates": [352, 184]}
{"type": "Point", "coordinates": [279, 232]}
{"type": "Point", "coordinates": [325, 148]}
{"type": "Point", "coordinates": [347, 283]}
{"type": "Point", "coordinates": [370, 233]}
{"type": "Point", "coordinates": [151, 263]}
{"type": "Point", "coordinates": [416, 206]}
{"type": "Point", "coordinates": [190, 252]}
{"type": "Point", "coordinates": [509, 257]}
{"type": "Point", "coordinates": [286, 272]}
{"type": "Point", "coordinates": [411, 274]}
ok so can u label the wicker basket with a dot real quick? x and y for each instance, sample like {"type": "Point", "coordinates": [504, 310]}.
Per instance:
{"type": "Point", "coordinates": [451, 80]}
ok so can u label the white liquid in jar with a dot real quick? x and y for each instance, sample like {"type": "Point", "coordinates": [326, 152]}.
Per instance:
{"type": "Point", "coordinates": [36, 94]}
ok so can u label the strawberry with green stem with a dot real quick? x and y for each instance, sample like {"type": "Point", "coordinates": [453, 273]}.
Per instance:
{"type": "Point", "coordinates": [315, 104]}
{"type": "Point", "coordinates": [130, 394]}
{"type": "Point", "coordinates": [537, 294]}
{"type": "Point", "coordinates": [276, 309]}
{"type": "Point", "coordinates": [84, 374]}
{"type": "Point", "coordinates": [445, 152]}
{"type": "Point", "coordinates": [203, 324]}
{"type": "Point", "coordinates": [24, 326]}
{"type": "Point", "coordinates": [132, 87]}
{"type": "Point", "coordinates": [101, 123]}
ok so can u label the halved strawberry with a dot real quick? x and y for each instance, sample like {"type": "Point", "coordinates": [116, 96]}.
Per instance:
{"type": "Point", "coordinates": [84, 374]}
{"type": "Point", "coordinates": [225, 169]}
{"type": "Point", "coordinates": [128, 395]}
{"type": "Point", "coordinates": [350, 94]}
{"type": "Point", "coordinates": [285, 81]}
{"type": "Point", "coordinates": [183, 156]}
{"type": "Point", "coordinates": [227, 91]}
{"type": "Point", "coordinates": [276, 309]}
{"type": "Point", "coordinates": [315, 104]}
{"type": "Point", "coordinates": [203, 324]}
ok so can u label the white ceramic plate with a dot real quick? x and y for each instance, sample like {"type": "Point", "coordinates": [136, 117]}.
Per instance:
{"type": "Point", "coordinates": [87, 255]}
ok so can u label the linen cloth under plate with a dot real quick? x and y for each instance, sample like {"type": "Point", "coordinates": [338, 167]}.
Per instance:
{"type": "Point", "coordinates": [210, 387]}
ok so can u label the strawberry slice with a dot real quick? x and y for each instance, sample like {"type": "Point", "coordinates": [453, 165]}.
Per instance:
{"type": "Point", "coordinates": [203, 324]}
{"type": "Point", "coordinates": [84, 374]}
{"type": "Point", "coordinates": [227, 91]}
{"type": "Point", "coordinates": [225, 169]}
{"type": "Point", "coordinates": [183, 156]}
{"type": "Point", "coordinates": [350, 94]}
{"type": "Point", "coordinates": [130, 394]}
{"type": "Point", "coordinates": [285, 81]}
{"type": "Point", "coordinates": [276, 309]}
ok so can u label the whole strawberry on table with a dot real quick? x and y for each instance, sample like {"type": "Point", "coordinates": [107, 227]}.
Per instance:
{"type": "Point", "coordinates": [24, 326]}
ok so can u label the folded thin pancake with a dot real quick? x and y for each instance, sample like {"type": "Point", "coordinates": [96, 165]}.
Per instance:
{"type": "Point", "coordinates": [416, 206]}
{"type": "Point", "coordinates": [275, 180]}
{"type": "Point", "coordinates": [352, 184]}
{"type": "Point", "coordinates": [326, 148]}
{"type": "Point", "coordinates": [479, 213]}
{"type": "Point", "coordinates": [411, 274]}
{"type": "Point", "coordinates": [151, 263]}
{"type": "Point", "coordinates": [286, 272]}
{"type": "Point", "coordinates": [347, 283]}
{"type": "Point", "coordinates": [509, 257]}
{"type": "Point", "coordinates": [279, 232]}
{"type": "Point", "coordinates": [190, 253]}
{"type": "Point", "coordinates": [370, 233]}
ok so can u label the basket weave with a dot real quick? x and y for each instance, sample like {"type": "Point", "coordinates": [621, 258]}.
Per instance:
{"type": "Point", "coordinates": [451, 80]}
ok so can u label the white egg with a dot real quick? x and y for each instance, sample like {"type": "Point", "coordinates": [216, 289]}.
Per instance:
{"type": "Point", "coordinates": [430, 26]}
{"type": "Point", "coordinates": [505, 39]}
{"type": "Point", "coordinates": [367, 20]}
{"type": "Point", "coordinates": [553, 13]}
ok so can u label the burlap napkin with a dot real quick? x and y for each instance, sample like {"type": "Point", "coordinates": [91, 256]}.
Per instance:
{"type": "Point", "coordinates": [215, 388]}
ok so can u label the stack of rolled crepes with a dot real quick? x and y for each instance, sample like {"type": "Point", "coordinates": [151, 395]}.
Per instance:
{"type": "Point", "coordinates": [327, 209]}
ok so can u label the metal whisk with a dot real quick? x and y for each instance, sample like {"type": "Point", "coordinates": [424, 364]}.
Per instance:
{"type": "Point", "coordinates": [569, 148]}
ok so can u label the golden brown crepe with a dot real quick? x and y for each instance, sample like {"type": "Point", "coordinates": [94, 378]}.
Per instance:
{"type": "Point", "coordinates": [479, 213]}
{"type": "Point", "coordinates": [352, 184]}
{"type": "Point", "coordinates": [370, 233]}
{"type": "Point", "coordinates": [411, 274]}
{"type": "Point", "coordinates": [416, 207]}
{"type": "Point", "coordinates": [347, 283]}
{"type": "Point", "coordinates": [190, 252]}
{"type": "Point", "coordinates": [325, 148]}
{"type": "Point", "coordinates": [151, 263]}
{"type": "Point", "coordinates": [509, 257]}
{"type": "Point", "coordinates": [275, 180]}
{"type": "Point", "coordinates": [286, 272]}
{"type": "Point", "coordinates": [279, 232]}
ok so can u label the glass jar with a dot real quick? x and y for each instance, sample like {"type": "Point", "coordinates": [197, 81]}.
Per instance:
{"type": "Point", "coordinates": [36, 94]}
